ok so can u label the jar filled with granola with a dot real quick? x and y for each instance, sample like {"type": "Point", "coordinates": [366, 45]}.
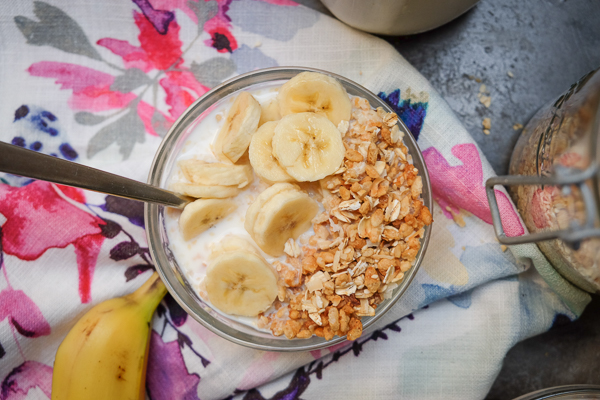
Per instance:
{"type": "Point", "coordinates": [554, 182]}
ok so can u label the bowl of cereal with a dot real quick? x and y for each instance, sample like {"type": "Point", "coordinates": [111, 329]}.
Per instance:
{"type": "Point", "coordinates": [312, 215]}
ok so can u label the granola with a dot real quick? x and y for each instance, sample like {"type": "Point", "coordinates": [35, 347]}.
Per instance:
{"type": "Point", "coordinates": [365, 241]}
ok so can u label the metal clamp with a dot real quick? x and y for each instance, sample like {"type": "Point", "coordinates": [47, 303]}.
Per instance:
{"type": "Point", "coordinates": [563, 177]}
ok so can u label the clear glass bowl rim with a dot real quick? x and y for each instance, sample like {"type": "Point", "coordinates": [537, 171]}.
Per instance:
{"type": "Point", "coordinates": [563, 392]}
{"type": "Point", "coordinates": [170, 274]}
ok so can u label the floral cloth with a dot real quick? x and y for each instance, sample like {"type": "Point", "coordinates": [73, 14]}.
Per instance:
{"type": "Point", "coordinates": [100, 82]}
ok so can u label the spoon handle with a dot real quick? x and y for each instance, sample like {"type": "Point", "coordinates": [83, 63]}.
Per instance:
{"type": "Point", "coordinates": [19, 161]}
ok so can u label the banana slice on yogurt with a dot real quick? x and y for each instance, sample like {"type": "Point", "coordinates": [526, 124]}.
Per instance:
{"type": "Point", "coordinates": [240, 282]}
{"type": "Point", "coordinates": [315, 92]}
{"type": "Point", "coordinates": [205, 191]}
{"type": "Point", "coordinates": [308, 146]}
{"type": "Point", "coordinates": [231, 243]}
{"type": "Point", "coordinates": [216, 174]}
{"type": "Point", "coordinates": [279, 213]}
{"type": "Point", "coordinates": [202, 214]}
{"type": "Point", "coordinates": [269, 112]}
{"type": "Point", "coordinates": [258, 205]}
{"type": "Point", "coordinates": [240, 124]}
{"type": "Point", "coordinates": [261, 155]}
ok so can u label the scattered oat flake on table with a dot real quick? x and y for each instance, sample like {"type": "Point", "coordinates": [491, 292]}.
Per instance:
{"type": "Point", "coordinates": [486, 131]}
{"type": "Point", "coordinates": [510, 74]}
{"type": "Point", "coordinates": [483, 96]}
{"type": "Point", "coordinates": [487, 123]}
{"type": "Point", "coordinates": [503, 247]}
{"type": "Point", "coordinates": [457, 217]}
{"type": "Point", "coordinates": [516, 127]}
{"type": "Point", "coordinates": [257, 44]}
{"type": "Point", "coordinates": [486, 101]}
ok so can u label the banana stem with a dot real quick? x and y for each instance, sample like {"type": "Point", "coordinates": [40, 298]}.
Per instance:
{"type": "Point", "coordinates": [150, 293]}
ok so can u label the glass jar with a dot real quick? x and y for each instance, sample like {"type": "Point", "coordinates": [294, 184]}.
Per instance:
{"type": "Point", "coordinates": [554, 183]}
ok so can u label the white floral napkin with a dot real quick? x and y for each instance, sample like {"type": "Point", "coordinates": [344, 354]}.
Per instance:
{"type": "Point", "coordinates": [99, 83]}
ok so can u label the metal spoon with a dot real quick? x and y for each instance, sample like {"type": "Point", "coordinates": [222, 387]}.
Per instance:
{"type": "Point", "coordinates": [19, 161]}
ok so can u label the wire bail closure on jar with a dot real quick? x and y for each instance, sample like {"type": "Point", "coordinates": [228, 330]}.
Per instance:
{"type": "Point", "coordinates": [564, 177]}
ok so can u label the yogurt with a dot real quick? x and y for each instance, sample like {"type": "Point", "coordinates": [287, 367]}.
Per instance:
{"type": "Point", "coordinates": [366, 236]}
{"type": "Point", "coordinates": [192, 255]}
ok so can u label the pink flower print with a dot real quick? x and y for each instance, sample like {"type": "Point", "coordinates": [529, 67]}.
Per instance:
{"type": "Point", "coordinates": [462, 186]}
{"type": "Point", "coordinates": [262, 370]}
{"type": "Point", "coordinates": [163, 51]}
{"type": "Point", "coordinates": [29, 375]}
{"type": "Point", "coordinates": [160, 19]}
{"type": "Point", "coordinates": [222, 40]}
{"type": "Point", "coordinates": [133, 57]}
{"type": "Point", "coordinates": [219, 28]}
{"type": "Point", "coordinates": [332, 349]}
{"type": "Point", "coordinates": [156, 51]}
{"type": "Point", "coordinates": [154, 125]}
{"type": "Point", "coordinates": [22, 313]}
{"type": "Point", "coordinates": [91, 88]}
{"type": "Point", "coordinates": [39, 218]}
{"type": "Point", "coordinates": [221, 37]}
{"type": "Point", "coordinates": [281, 2]}
{"type": "Point", "coordinates": [171, 5]}
{"type": "Point", "coordinates": [87, 248]}
{"type": "Point", "coordinates": [178, 85]}
{"type": "Point", "coordinates": [159, 49]}
{"type": "Point", "coordinates": [206, 335]}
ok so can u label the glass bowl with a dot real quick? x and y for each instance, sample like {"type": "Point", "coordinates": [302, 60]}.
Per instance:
{"type": "Point", "coordinates": [158, 241]}
{"type": "Point", "coordinates": [567, 392]}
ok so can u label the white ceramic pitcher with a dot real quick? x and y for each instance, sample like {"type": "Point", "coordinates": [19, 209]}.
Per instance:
{"type": "Point", "coordinates": [397, 17]}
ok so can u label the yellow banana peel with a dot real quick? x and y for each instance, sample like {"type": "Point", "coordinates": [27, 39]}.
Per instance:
{"type": "Point", "coordinates": [105, 354]}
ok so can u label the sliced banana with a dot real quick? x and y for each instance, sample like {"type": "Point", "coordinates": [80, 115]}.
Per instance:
{"type": "Point", "coordinates": [241, 283]}
{"type": "Point", "coordinates": [308, 146]}
{"type": "Point", "coordinates": [217, 174]}
{"type": "Point", "coordinates": [269, 112]}
{"type": "Point", "coordinates": [261, 155]}
{"type": "Point", "coordinates": [287, 215]}
{"type": "Point", "coordinates": [205, 191]}
{"type": "Point", "coordinates": [258, 204]}
{"type": "Point", "coordinates": [231, 243]}
{"type": "Point", "coordinates": [203, 214]}
{"type": "Point", "coordinates": [315, 92]}
{"type": "Point", "coordinates": [240, 124]}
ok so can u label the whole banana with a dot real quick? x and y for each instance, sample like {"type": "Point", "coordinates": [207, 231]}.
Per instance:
{"type": "Point", "coordinates": [105, 354]}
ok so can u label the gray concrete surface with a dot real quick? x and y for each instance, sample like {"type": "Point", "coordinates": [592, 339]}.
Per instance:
{"type": "Point", "coordinates": [547, 45]}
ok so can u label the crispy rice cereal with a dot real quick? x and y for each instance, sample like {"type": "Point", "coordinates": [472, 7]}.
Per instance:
{"type": "Point", "coordinates": [365, 241]}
